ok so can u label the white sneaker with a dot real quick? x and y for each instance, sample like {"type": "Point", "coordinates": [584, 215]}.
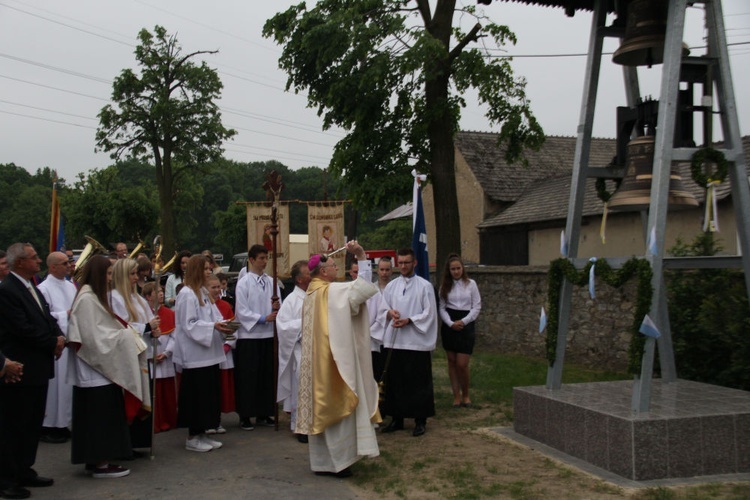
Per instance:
{"type": "Point", "coordinates": [215, 445]}
{"type": "Point", "coordinates": [220, 430]}
{"type": "Point", "coordinates": [197, 444]}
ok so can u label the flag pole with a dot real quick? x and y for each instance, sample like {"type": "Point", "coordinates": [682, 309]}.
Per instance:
{"type": "Point", "coordinates": [155, 340]}
{"type": "Point", "coordinates": [419, 234]}
{"type": "Point", "coordinates": [54, 222]}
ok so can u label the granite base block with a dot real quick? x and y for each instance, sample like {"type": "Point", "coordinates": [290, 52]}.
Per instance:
{"type": "Point", "coordinates": [693, 429]}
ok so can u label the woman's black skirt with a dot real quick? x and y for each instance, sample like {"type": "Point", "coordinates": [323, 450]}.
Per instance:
{"type": "Point", "coordinates": [457, 341]}
{"type": "Point", "coordinates": [100, 429]}
{"type": "Point", "coordinates": [199, 405]}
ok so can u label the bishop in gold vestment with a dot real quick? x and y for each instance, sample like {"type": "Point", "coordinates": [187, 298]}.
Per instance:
{"type": "Point", "coordinates": [338, 397]}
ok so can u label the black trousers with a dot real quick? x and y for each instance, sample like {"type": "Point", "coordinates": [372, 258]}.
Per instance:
{"type": "Point", "coordinates": [21, 417]}
{"type": "Point", "coordinates": [408, 385]}
{"type": "Point", "coordinates": [254, 378]}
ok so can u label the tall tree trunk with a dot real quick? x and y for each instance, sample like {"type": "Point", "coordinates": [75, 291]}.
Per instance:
{"type": "Point", "coordinates": [165, 182]}
{"type": "Point", "coordinates": [441, 127]}
{"type": "Point", "coordinates": [447, 221]}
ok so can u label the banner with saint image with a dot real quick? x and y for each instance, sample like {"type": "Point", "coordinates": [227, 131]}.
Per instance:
{"type": "Point", "coordinates": [259, 231]}
{"type": "Point", "coordinates": [325, 229]}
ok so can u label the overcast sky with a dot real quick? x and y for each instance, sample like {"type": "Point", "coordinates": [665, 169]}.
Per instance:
{"type": "Point", "coordinates": [58, 59]}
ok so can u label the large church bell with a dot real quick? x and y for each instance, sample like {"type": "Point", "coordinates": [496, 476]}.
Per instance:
{"type": "Point", "coordinates": [634, 192]}
{"type": "Point", "coordinates": [645, 33]}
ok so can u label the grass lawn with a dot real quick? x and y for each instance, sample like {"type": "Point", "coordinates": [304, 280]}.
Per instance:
{"type": "Point", "coordinates": [458, 458]}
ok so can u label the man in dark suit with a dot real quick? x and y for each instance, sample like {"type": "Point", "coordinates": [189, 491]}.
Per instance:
{"type": "Point", "coordinates": [10, 371]}
{"type": "Point", "coordinates": [29, 335]}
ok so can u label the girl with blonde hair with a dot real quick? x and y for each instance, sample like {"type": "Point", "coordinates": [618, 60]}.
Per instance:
{"type": "Point", "coordinates": [133, 309]}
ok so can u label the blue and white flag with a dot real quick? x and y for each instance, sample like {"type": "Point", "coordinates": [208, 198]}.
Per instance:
{"type": "Point", "coordinates": [592, 289]}
{"type": "Point", "coordinates": [563, 244]}
{"type": "Point", "coordinates": [652, 246]}
{"type": "Point", "coordinates": [648, 328]}
{"type": "Point", "coordinates": [542, 320]}
{"type": "Point", "coordinates": [419, 235]}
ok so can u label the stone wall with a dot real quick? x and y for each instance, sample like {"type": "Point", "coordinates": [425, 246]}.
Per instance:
{"type": "Point", "coordinates": [512, 298]}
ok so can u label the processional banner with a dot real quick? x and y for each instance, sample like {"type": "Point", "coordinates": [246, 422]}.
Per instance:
{"type": "Point", "coordinates": [259, 231]}
{"type": "Point", "coordinates": [325, 231]}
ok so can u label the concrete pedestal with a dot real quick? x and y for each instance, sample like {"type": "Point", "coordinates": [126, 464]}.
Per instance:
{"type": "Point", "coordinates": [693, 429]}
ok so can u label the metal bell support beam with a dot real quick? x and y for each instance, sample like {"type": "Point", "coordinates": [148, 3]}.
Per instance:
{"type": "Point", "coordinates": [664, 155]}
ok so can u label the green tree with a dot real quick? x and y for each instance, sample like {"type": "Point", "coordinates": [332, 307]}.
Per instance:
{"type": "Point", "coordinates": [231, 225]}
{"type": "Point", "coordinates": [110, 205]}
{"type": "Point", "coordinates": [393, 73]}
{"type": "Point", "coordinates": [390, 235]}
{"type": "Point", "coordinates": [166, 114]}
{"type": "Point", "coordinates": [709, 315]}
{"type": "Point", "coordinates": [25, 211]}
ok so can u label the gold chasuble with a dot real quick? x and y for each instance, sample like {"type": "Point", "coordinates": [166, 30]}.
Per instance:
{"type": "Point", "coordinates": [335, 354]}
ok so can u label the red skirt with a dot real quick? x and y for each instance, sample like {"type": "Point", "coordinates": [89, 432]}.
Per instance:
{"type": "Point", "coordinates": [227, 390]}
{"type": "Point", "coordinates": [165, 416]}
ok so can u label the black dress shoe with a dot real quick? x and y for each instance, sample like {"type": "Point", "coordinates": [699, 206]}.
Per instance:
{"type": "Point", "coordinates": [340, 474]}
{"type": "Point", "coordinates": [419, 429]}
{"type": "Point", "coordinates": [15, 492]}
{"type": "Point", "coordinates": [395, 425]}
{"type": "Point", "coordinates": [302, 438]}
{"type": "Point", "coordinates": [53, 438]}
{"type": "Point", "coordinates": [38, 482]}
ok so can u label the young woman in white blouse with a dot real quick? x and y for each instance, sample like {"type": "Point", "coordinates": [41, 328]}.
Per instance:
{"type": "Point", "coordinates": [460, 304]}
{"type": "Point", "coordinates": [108, 368]}
{"type": "Point", "coordinates": [170, 289]}
{"type": "Point", "coordinates": [199, 335]}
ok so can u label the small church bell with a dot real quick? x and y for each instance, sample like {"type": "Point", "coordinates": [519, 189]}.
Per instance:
{"type": "Point", "coordinates": [645, 31]}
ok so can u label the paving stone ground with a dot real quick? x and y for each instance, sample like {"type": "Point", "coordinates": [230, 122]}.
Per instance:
{"type": "Point", "coordinates": [261, 463]}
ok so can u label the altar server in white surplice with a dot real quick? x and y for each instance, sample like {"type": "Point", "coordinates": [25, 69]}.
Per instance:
{"type": "Point", "coordinates": [254, 355]}
{"type": "Point", "coordinates": [338, 396]}
{"type": "Point", "coordinates": [409, 315]}
{"type": "Point", "coordinates": [59, 294]}
{"type": "Point", "coordinates": [377, 330]}
{"type": "Point", "coordinates": [289, 329]}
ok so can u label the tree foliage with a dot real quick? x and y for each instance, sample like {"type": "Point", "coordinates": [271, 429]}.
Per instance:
{"type": "Point", "coordinates": [390, 235]}
{"type": "Point", "coordinates": [121, 203]}
{"type": "Point", "coordinates": [118, 203]}
{"type": "Point", "coordinates": [25, 211]}
{"type": "Point", "coordinates": [709, 317]}
{"type": "Point", "coordinates": [167, 115]}
{"type": "Point", "coordinates": [393, 73]}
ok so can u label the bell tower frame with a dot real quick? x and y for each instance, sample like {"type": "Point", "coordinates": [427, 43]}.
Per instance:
{"type": "Point", "coordinates": [655, 220]}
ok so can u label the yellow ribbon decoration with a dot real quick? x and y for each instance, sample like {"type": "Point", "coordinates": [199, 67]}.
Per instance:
{"type": "Point", "coordinates": [711, 217]}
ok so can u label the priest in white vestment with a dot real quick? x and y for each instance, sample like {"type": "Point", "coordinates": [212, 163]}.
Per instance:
{"type": "Point", "coordinates": [59, 294]}
{"type": "Point", "coordinates": [289, 330]}
{"type": "Point", "coordinates": [338, 396]}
